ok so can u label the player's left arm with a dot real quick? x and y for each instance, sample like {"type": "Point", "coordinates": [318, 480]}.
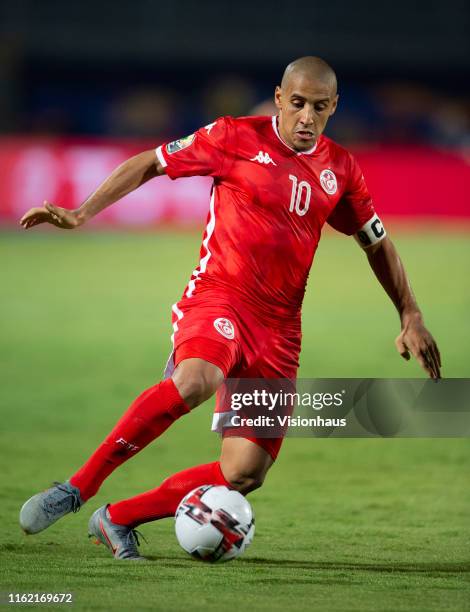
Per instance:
{"type": "Point", "coordinates": [355, 215]}
{"type": "Point", "coordinates": [414, 337]}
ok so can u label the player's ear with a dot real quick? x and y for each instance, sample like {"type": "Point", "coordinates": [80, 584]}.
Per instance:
{"type": "Point", "coordinates": [277, 97]}
{"type": "Point", "coordinates": [334, 105]}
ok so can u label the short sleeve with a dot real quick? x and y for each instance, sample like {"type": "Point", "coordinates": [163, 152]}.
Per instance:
{"type": "Point", "coordinates": [355, 207]}
{"type": "Point", "coordinates": [204, 153]}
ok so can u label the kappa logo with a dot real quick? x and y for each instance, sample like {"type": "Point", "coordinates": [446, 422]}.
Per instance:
{"type": "Point", "coordinates": [209, 126]}
{"type": "Point", "coordinates": [225, 328]}
{"type": "Point", "coordinates": [263, 158]}
{"type": "Point", "coordinates": [328, 181]}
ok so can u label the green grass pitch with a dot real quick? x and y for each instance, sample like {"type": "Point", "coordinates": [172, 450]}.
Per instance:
{"type": "Point", "coordinates": [361, 525]}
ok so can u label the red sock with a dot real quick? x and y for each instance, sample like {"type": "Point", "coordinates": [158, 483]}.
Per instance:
{"type": "Point", "coordinates": [146, 419]}
{"type": "Point", "coordinates": [164, 500]}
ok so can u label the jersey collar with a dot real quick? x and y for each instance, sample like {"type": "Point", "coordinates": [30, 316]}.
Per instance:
{"type": "Point", "coordinates": [276, 131]}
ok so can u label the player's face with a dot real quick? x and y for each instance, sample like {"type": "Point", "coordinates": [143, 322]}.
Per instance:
{"type": "Point", "coordinates": [305, 105]}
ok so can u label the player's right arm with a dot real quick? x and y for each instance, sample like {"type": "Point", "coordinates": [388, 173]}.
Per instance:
{"type": "Point", "coordinates": [125, 178]}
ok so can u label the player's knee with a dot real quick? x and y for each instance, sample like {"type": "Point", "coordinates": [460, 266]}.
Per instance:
{"type": "Point", "coordinates": [194, 389]}
{"type": "Point", "coordinates": [244, 481]}
{"type": "Point", "coordinates": [196, 380]}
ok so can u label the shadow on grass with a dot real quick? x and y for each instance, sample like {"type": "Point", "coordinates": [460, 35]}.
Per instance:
{"type": "Point", "coordinates": [407, 568]}
{"type": "Point", "coordinates": [335, 566]}
{"type": "Point", "coordinates": [431, 569]}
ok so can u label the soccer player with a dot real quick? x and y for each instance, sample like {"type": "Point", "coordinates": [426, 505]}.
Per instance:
{"type": "Point", "coordinates": [277, 181]}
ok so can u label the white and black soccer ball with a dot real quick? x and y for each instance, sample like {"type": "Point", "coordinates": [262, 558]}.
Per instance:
{"type": "Point", "coordinates": [214, 523]}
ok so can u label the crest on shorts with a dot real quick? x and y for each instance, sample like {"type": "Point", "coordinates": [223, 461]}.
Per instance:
{"type": "Point", "coordinates": [178, 145]}
{"type": "Point", "coordinates": [328, 181]}
{"type": "Point", "coordinates": [225, 328]}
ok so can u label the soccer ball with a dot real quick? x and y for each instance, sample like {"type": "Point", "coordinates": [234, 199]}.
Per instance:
{"type": "Point", "coordinates": [214, 523]}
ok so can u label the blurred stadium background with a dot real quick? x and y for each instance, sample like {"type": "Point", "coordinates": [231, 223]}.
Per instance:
{"type": "Point", "coordinates": [84, 85]}
{"type": "Point", "coordinates": [342, 524]}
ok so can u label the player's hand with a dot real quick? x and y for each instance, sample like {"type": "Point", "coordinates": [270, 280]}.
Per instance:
{"type": "Point", "coordinates": [416, 340]}
{"type": "Point", "coordinates": [48, 213]}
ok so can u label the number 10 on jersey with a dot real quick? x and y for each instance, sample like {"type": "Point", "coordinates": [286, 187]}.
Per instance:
{"type": "Point", "coordinates": [300, 197]}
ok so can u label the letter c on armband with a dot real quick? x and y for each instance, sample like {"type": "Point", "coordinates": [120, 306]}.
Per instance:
{"type": "Point", "coordinates": [371, 232]}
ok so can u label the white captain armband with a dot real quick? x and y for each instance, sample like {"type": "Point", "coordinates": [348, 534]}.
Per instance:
{"type": "Point", "coordinates": [371, 232]}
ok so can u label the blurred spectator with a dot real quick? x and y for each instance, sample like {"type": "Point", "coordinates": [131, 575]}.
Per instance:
{"type": "Point", "coordinates": [451, 122]}
{"type": "Point", "coordinates": [404, 110]}
{"type": "Point", "coordinates": [415, 113]}
{"type": "Point", "coordinates": [145, 112]}
{"type": "Point", "coordinates": [266, 107]}
{"type": "Point", "coordinates": [94, 103]}
{"type": "Point", "coordinates": [227, 95]}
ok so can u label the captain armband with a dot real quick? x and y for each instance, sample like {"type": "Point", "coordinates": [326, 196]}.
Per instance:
{"type": "Point", "coordinates": [371, 232]}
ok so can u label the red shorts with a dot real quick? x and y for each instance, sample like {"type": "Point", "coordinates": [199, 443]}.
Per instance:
{"type": "Point", "coordinates": [219, 328]}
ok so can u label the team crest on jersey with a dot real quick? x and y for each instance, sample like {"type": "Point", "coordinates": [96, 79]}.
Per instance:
{"type": "Point", "coordinates": [225, 328]}
{"type": "Point", "coordinates": [178, 145]}
{"type": "Point", "coordinates": [328, 181]}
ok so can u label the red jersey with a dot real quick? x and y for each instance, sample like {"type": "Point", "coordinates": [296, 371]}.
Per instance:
{"type": "Point", "coordinates": [267, 209]}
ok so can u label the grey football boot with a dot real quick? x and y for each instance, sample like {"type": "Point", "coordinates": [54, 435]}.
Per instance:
{"type": "Point", "coordinates": [47, 507]}
{"type": "Point", "coordinates": [122, 541]}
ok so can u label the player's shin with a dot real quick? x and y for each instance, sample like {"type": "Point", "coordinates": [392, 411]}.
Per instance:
{"type": "Point", "coordinates": [146, 419]}
{"type": "Point", "coordinates": [164, 500]}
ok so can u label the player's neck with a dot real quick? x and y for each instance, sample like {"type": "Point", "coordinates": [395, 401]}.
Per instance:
{"type": "Point", "coordinates": [277, 131]}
